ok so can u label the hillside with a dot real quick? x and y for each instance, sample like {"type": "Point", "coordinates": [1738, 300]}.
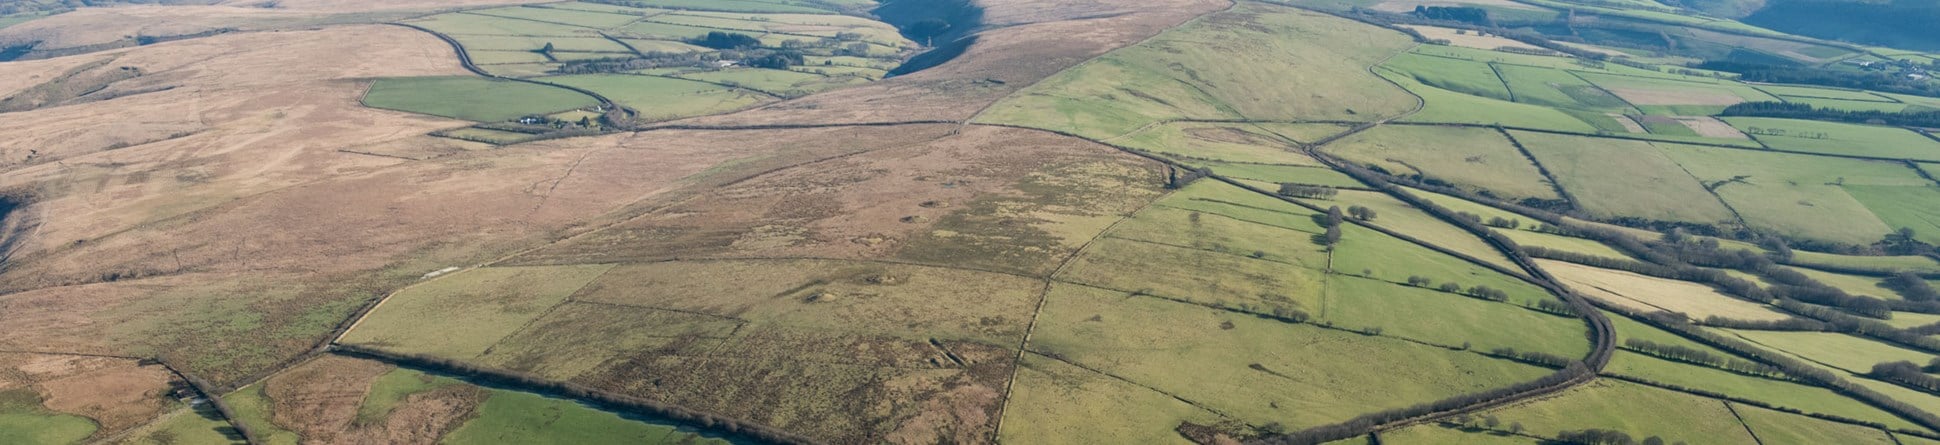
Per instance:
{"type": "Point", "coordinates": [966, 221]}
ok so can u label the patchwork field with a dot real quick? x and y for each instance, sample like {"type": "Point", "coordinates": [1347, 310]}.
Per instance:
{"type": "Point", "coordinates": [1480, 158]}
{"type": "Point", "coordinates": [1649, 294]}
{"type": "Point", "coordinates": [1837, 138]}
{"type": "Point", "coordinates": [1611, 178]}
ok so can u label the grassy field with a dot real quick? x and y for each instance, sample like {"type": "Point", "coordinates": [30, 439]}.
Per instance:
{"type": "Point", "coordinates": [1611, 178]}
{"type": "Point", "coordinates": [1392, 213]}
{"type": "Point", "coordinates": [1628, 329]}
{"type": "Point", "coordinates": [1450, 107]}
{"type": "Point", "coordinates": [460, 24]}
{"type": "Point", "coordinates": [1839, 138]}
{"type": "Point", "coordinates": [472, 98]}
{"type": "Point", "coordinates": [1224, 233]}
{"type": "Point", "coordinates": [1366, 252]}
{"type": "Point", "coordinates": [1637, 410]}
{"type": "Point", "coordinates": [1790, 91]}
{"type": "Point", "coordinates": [1458, 75]}
{"type": "Point", "coordinates": [518, 417]}
{"type": "Point", "coordinates": [1445, 434]}
{"type": "Point", "coordinates": [1256, 61]}
{"type": "Point", "coordinates": [200, 425]}
{"type": "Point", "coordinates": [1441, 318]}
{"type": "Point", "coordinates": [1913, 263]}
{"type": "Point", "coordinates": [1479, 158]}
{"type": "Point", "coordinates": [1912, 207]}
{"type": "Point", "coordinates": [1852, 284]}
{"type": "Point", "coordinates": [1253, 369]}
{"type": "Point", "coordinates": [1563, 243]}
{"type": "Point", "coordinates": [475, 309]}
{"type": "Point", "coordinates": [1056, 402]}
{"type": "Point", "coordinates": [1656, 95]}
{"type": "Point", "coordinates": [660, 98]}
{"type": "Point", "coordinates": [1774, 427]}
{"type": "Point", "coordinates": [1846, 352]}
{"type": "Point", "coordinates": [1272, 173]}
{"type": "Point", "coordinates": [1646, 293]}
{"type": "Point", "coordinates": [588, 19]}
{"type": "Point", "coordinates": [782, 6]}
{"type": "Point", "coordinates": [1557, 88]}
{"type": "Point", "coordinates": [1811, 399]}
{"type": "Point", "coordinates": [25, 420]}
{"type": "Point", "coordinates": [1796, 195]}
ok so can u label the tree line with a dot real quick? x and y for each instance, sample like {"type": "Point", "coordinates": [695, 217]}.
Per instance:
{"type": "Point", "coordinates": [1876, 81]}
{"type": "Point", "coordinates": [1363, 424]}
{"type": "Point", "coordinates": [1790, 110]}
{"type": "Point", "coordinates": [1701, 357]}
{"type": "Point", "coordinates": [1908, 374]}
{"type": "Point", "coordinates": [539, 384]}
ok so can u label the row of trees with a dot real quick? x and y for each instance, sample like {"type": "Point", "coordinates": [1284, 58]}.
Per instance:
{"type": "Point", "coordinates": [539, 384]}
{"type": "Point", "coordinates": [1307, 191]}
{"type": "Point", "coordinates": [1604, 437]}
{"type": "Point", "coordinates": [1535, 357]}
{"type": "Point", "coordinates": [1906, 373]}
{"type": "Point", "coordinates": [1790, 110]}
{"type": "Point", "coordinates": [1331, 221]}
{"type": "Point", "coordinates": [1702, 357]}
{"type": "Point", "coordinates": [1876, 81]}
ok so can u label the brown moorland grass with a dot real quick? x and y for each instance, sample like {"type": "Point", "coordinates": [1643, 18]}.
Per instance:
{"type": "Point", "coordinates": [116, 394]}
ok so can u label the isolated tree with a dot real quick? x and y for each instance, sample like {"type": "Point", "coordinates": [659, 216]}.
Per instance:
{"type": "Point", "coordinates": [546, 49]}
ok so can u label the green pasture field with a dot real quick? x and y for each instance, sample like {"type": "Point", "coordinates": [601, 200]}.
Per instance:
{"type": "Point", "coordinates": [602, 7]}
{"type": "Point", "coordinates": [1461, 76]}
{"type": "Point", "coordinates": [1917, 398]}
{"type": "Point", "coordinates": [253, 408]}
{"type": "Point", "coordinates": [526, 418]}
{"type": "Point", "coordinates": [851, 61]}
{"type": "Point", "coordinates": [1613, 178]}
{"type": "Point", "coordinates": [1852, 354]}
{"type": "Point", "coordinates": [1838, 138]}
{"type": "Point", "coordinates": [1304, 132]}
{"type": "Point", "coordinates": [1225, 200]}
{"type": "Point", "coordinates": [392, 388]}
{"type": "Point", "coordinates": [588, 19]}
{"type": "Point", "coordinates": [1366, 252]}
{"type": "Point", "coordinates": [1217, 142]}
{"type": "Point", "coordinates": [661, 98]}
{"type": "Point", "coordinates": [664, 31]}
{"type": "Point", "coordinates": [1852, 284]}
{"type": "Point", "coordinates": [486, 59]}
{"type": "Point", "coordinates": [475, 309]}
{"type": "Point", "coordinates": [839, 70]}
{"type": "Point", "coordinates": [472, 98]}
{"type": "Point", "coordinates": [1628, 329]}
{"type": "Point", "coordinates": [1774, 427]}
{"type": "Point", "coordinates": [1444, 106]}
{"type": "Point", "coordinates": [1905, 320]}
{"type": "Point", "coordinates": [1460, 205]}
{"type": "Point", "coordinates": [1394, 214]}
{"type": "Point", "coordinates": [1256, 61]}
{"type": "Point", "coordinates": [1055, 402]}
{"type": "Point", "coordinates": [199, 425]}
{"type": "Point", "coordinates": [1807, 398]}
{"type": "Point", "coordinates": [1448, 319]}
{"type": "Point", "coordinates": [464, 23]}
{"type": "Point", "coordinates": [1917, 208]}
{"type": "Point", "coordinates": [25, 420]}
{"type": "Point", "coordinates": [15, 19]}
{"type": "Point", "coordinates": [1477, 157]}
{"type": "Point", "coordinates": [665, 46]}
{"type": "Point", "coordinates": [1795, 194]}
{"type": "Point", "coordinates": [779, 82]}
{"type": "Point", "coordinates": [1272, 173]}
{"type": "Point", "coordinates": [1667, 127]}
{"type": "Point", "coordinates": [1885, 263]}
{"type": "Point", "coordinates": [1563, 243]}
{"type": "Point", "coordinates": [1164, 224]}
{"type": "Point", "coordinates": [529, 44]}
{"type": "Point", "coordinates": [1638, 410]}
{"type": "Point", "coordinates": [1255, 369]}
{"type": "Point", "coordinates": [829, 26]}
{"type": "Point", "coordinates": [522, 69]}
{"type": "Point", "coordinates": [1557, 88]}
{"type": "Point", "coordinates": [568, 56]}
{"type": "Point", "coordinates": [1201, 276]}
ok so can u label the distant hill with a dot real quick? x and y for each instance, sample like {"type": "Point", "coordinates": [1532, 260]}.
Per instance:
{"type": "Point", "coordinates": [1898, 23]}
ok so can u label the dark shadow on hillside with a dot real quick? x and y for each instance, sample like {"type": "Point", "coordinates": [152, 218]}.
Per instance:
{"type": "Point", "coordinates": [952, 22]}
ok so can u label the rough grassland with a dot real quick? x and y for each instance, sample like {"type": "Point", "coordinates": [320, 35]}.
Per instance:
{"type": "Point", "coordinates": [1838, 138]}
{"type": "Point", "coordinates": [1256, 61]}
{"type": "Point", "coordinates": [1811, 399]}
{"type": "Point", "coordinates": [526, 418]}
{"type": "Point", "coordinates": [1448, 319]}
{"type": "Point", "coordinates": [1557, 88]}
{"type": "Point", "coordinates": [1461, 76]}
{"type": "Point", "coordinates": [1475, 157]}
{"type": "Point", "coordinates": [1652, 293]}
{"type": "Point", "coordinates": [1276, 174]}
{"type": "Point", "coordinates": [472, 98]}
{"type": "Point", "coordinates": [1612, 178]}
{"type": "Point", "coordinates": [1195, 142]}
{"type": "Point", "coordinates": [474, 309]}
{"type": "Point", "coordinates": [1254, 369]}
{"type": "Point", "coordinates": [1638, 410]}
{"type": "Point", "coordinates": [1917, 208]}
{"type": "Point", "coordinates": [1793, 194]}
